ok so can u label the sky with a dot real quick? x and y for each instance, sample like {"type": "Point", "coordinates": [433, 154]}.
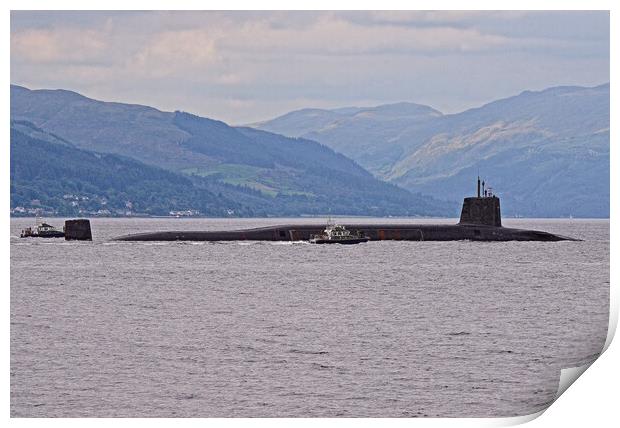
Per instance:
{"type": "Point", "coordinates": [244, 67]}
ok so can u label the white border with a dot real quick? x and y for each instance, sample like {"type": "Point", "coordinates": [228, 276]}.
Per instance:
{"type": "Point", "coordinates": [592, 401]}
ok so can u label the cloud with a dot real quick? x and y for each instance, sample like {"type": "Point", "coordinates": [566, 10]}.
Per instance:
{"type": "Point", "coordinates": [460, 18]}
{"type": "Point", "coordinates": [246, 66]}
{"type": "Point", "coordinates": [58, 45]}
{"type": "Point", "coordinates": [332, 35]}
{"type": "Point", "coordinates": [172, 51]}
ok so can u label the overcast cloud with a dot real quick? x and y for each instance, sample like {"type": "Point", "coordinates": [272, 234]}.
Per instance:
{"type": "Point", "coordinates": [242, 67]}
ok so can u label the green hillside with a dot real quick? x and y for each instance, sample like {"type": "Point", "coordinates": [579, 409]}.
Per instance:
{"type": "Point", "coordinates": [57, 178]}
{"type": "Point", "coordinates": [64, 180]}
{"type": "Point", "coordinates": [258, 173]}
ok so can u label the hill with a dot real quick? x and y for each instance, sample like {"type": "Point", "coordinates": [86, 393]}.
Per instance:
{"type": "Point", "coordinates": [546, 152]}
{"type": "Point", "coordinates": [64, 180]}
{"type": "Point", "coordinates": [365, 135]}
{"type": "Point", "coordinates": [264, 173]}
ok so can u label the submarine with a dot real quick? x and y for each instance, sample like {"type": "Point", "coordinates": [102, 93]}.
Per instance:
{"type": "Point", "coordinates": [480, 221]}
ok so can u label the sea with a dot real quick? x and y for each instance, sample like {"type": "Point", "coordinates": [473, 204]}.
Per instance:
{"type": "Point", "coordinates": [292, 329]}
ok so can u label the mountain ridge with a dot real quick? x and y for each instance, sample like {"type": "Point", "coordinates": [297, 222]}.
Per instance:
{"type": "Point", "coordinates": [439, 155]}
{"type": "Point", "coordinates": [269, 173]}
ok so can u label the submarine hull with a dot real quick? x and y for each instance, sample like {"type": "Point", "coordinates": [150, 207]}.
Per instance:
{"type": "Point", "coordinates": [480, 221]}
{"type": "Point", "coordinates": [376, 232]}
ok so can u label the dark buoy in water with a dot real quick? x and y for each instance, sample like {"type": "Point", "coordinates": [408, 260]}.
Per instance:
{"type": "Point", "coordinates": [78, 230]}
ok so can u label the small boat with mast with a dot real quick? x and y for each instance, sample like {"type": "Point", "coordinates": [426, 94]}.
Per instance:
{"type": "Point", "coordinates": [338, 234]}
{"type": "Point", "coordinates": [42, 230]}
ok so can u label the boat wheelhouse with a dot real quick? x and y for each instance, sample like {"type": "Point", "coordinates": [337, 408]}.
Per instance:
{"type": "Point", "coordinates": [337, 234]}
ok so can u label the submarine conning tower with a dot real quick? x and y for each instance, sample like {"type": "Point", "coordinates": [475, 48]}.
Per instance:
{"type": "Point", "coordinates": [482, 209]}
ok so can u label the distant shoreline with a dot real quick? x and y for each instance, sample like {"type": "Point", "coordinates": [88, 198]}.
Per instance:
{"type": "Point", "coordinates": [300, 217]}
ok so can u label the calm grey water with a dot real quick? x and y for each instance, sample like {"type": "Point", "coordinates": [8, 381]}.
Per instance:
{"type": "Point", "coordinates": [292, 329]}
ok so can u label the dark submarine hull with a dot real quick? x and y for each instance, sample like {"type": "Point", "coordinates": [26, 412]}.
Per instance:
{"type": "Point", "coordinates": [376, 232]}
{"type": "Point", "coordinates": [480, 220]}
